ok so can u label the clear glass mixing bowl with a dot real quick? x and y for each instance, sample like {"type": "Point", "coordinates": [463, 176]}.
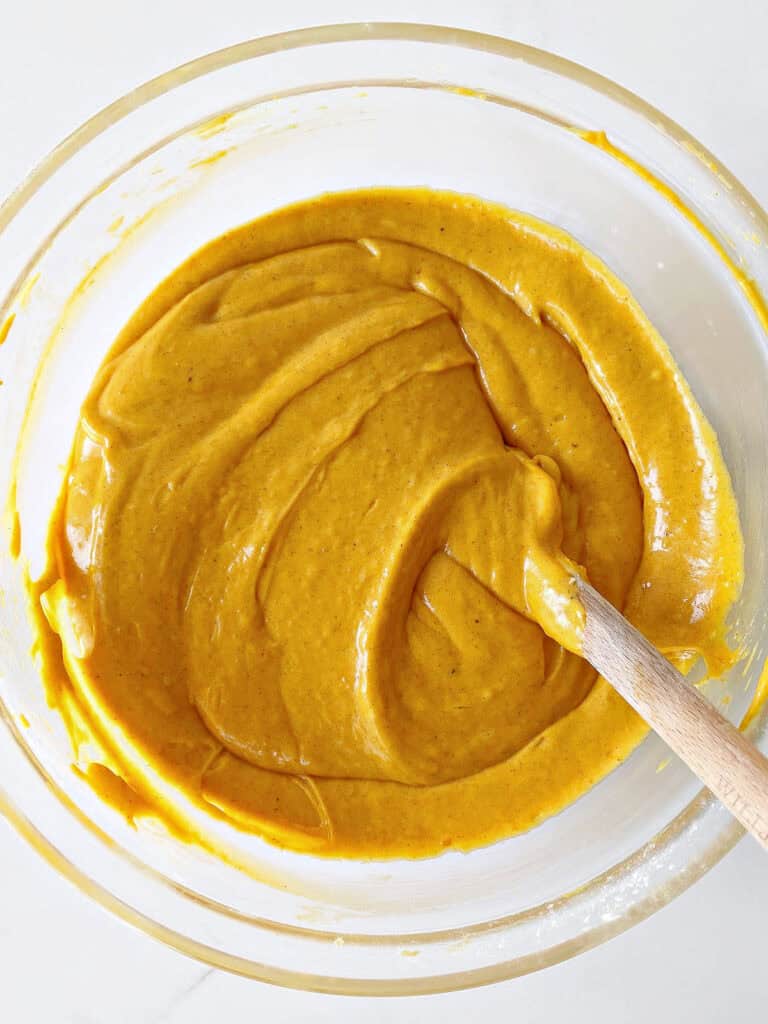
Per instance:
{"type": "Point", "coordinates": [163, 170]}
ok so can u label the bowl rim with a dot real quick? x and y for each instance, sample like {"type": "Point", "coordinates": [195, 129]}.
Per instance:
{"type": "Point", "coordinates": [725, 837]}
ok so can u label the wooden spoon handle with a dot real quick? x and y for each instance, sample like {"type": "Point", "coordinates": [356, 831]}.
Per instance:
{"type": "Point", "coordinates": [725, 761]}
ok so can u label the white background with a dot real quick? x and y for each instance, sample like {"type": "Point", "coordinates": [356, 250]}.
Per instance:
{"type": "Point", "coordinates": [65, 961]}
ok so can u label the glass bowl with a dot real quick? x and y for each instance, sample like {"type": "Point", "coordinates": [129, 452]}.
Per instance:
{"type": "Point", "coordinates": [213, 144]}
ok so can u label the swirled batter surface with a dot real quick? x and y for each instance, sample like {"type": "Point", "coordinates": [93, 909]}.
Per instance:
{"type": "Point", "coordinates": [311, 566]}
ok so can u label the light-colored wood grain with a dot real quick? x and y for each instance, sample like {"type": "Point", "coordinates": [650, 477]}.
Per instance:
{"type": "Point", "coordinates": [725, 761]}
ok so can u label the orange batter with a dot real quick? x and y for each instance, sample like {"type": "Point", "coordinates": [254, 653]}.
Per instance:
{"type": "Point", "coordinates": [312, 564]}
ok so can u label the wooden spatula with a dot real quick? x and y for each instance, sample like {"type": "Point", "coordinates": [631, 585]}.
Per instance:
{"type": "Point", "coordinates": [713, 749]}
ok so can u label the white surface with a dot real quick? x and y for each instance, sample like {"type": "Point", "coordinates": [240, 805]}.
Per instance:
{"type": "Point", "coordinates": [64, 960]}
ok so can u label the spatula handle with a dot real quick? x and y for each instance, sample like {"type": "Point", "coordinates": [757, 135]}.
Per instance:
{"type": "Point", "coordinates": [725, 761]}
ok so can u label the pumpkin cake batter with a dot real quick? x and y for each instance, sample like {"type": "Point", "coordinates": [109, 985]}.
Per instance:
{"type": "Point", "coordinates": [311, 566]}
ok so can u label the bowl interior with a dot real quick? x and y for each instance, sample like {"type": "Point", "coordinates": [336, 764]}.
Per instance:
{"type": "Point", "coordinates": [181, 176]}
